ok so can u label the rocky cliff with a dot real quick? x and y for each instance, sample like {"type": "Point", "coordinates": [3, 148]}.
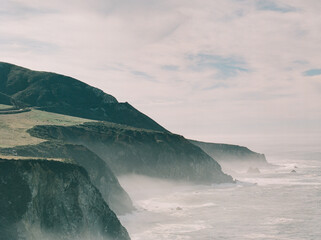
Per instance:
{"type": "Point", "coordinates": [132, 150]}
{"type": "Point", "coordinates": [53, 200]}
{"type": "Point", "coordinates": [100, 174]}
{"type": "Point", "coordinates": [232, 154]}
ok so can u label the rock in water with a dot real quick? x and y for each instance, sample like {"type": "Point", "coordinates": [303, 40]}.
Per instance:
{"type": "Point", "coordinates": [42, 199]}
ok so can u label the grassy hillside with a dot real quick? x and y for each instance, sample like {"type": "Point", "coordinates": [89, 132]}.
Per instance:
{"type": "Point", "coordinates": [13, 126]}
{"type": "Point", "coordinates": [4, 106]}
{"type": "Point", "coordinates": [61, 94]}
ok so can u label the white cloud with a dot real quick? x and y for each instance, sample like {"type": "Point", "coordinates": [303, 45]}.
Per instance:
{"type": "Point", "coordinates": [138, 51]}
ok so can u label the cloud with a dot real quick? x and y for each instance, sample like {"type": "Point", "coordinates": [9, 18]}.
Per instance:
{"type": "Point", "coordinates": [226, 67]}
{"type": "Point", "coordinates": [216, 67]}
{"type": "Point", "coordinates": [170, 67]}
{"type": "Point", "coordinates": [268, 5]}
{"type": "Point", "coordinates": [312, 72]}
{"type": "Point", "coordinates": [143, 75]}
{"type": "Point", "coordinates": [14, 9]}
{"type": "Point", "coordinates": [217, 85]}
{"type": "Point", "coordinates": [20, 44]}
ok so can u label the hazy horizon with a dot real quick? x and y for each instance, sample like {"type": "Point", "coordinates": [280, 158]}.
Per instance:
{"type": "Point", "coordinates": [210, 70]}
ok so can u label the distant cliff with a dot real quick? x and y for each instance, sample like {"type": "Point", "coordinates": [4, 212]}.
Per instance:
{"type": "Point", "coordinates": [132, 150]}
{"type": "Point", "coordinates": [100, 174]}
{"type": "Point", "coordinates": [229, 154]}
{"type": "Point", "coordinates": [61, 94]}
{"type": "Point", "coordinates": [53, 200]}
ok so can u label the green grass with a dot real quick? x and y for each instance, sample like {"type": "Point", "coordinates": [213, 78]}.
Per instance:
{"type": "Point", "coordinates": [13, 127]}
{"type": "Point", "coordinates": [2, 106]}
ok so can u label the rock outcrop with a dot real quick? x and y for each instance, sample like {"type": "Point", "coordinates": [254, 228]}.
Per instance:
{"type": "Point", "coordinates": [53, 200]}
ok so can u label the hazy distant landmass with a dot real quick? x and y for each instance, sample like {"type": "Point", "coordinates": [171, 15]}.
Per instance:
{"type": "Point", "coordinates": [232, 154]}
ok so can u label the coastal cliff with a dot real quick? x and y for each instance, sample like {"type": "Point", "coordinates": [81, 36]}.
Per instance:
{"type": "Point", "coordinates": [232, 154]}
{"type": "Point", "coordinates": [131, 150]}
{"type": "Point", "coordinates": [100, 174]}
{"type": "Point", "coordinates": [52, 200]}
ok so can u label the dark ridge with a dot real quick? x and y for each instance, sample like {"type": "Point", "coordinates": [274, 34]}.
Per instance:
{"type": "Point", "coordinates": [65, 95]}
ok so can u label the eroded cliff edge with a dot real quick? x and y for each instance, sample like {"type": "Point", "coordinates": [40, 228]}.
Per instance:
{"type": "Point", "coordinates": [52, 200]}
{"type": "Point", "coordinates": [100, 174]}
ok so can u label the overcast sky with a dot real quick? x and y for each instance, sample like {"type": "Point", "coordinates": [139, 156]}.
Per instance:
{"type": "Point", "coordinates": [207, 69]}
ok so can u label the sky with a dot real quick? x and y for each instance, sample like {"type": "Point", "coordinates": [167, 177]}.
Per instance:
{"type": "Point", "coordinates": [214, 70]}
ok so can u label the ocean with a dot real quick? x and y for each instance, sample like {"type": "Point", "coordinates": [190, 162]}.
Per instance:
{"type": "Point", "coordinates": [274, 204]}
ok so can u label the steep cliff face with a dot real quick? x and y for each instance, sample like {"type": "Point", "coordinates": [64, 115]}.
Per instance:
{"type": "Point", "coordinates": [53, 200]}
{"type": "Point", "coordinates": [100, 174]}
{"type": "Point", "coordinates": [232, 154]}
{"type": "Point", "coordinates": [130, 150]}
{"type": "Point", "coordinates": [61, 94]}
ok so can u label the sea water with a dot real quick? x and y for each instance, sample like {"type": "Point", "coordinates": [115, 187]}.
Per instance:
{"type": "Point", "coordinates": [274, 204]}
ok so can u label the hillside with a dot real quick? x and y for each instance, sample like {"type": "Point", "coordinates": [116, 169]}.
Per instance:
{"type": "Point", "coordinates": [13, 127]}
{"type": "Point", "coordinates": [65, 95]}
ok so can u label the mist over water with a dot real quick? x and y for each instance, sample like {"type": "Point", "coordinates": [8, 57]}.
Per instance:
{"type": "Point", "coordinates": [273, 204]}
